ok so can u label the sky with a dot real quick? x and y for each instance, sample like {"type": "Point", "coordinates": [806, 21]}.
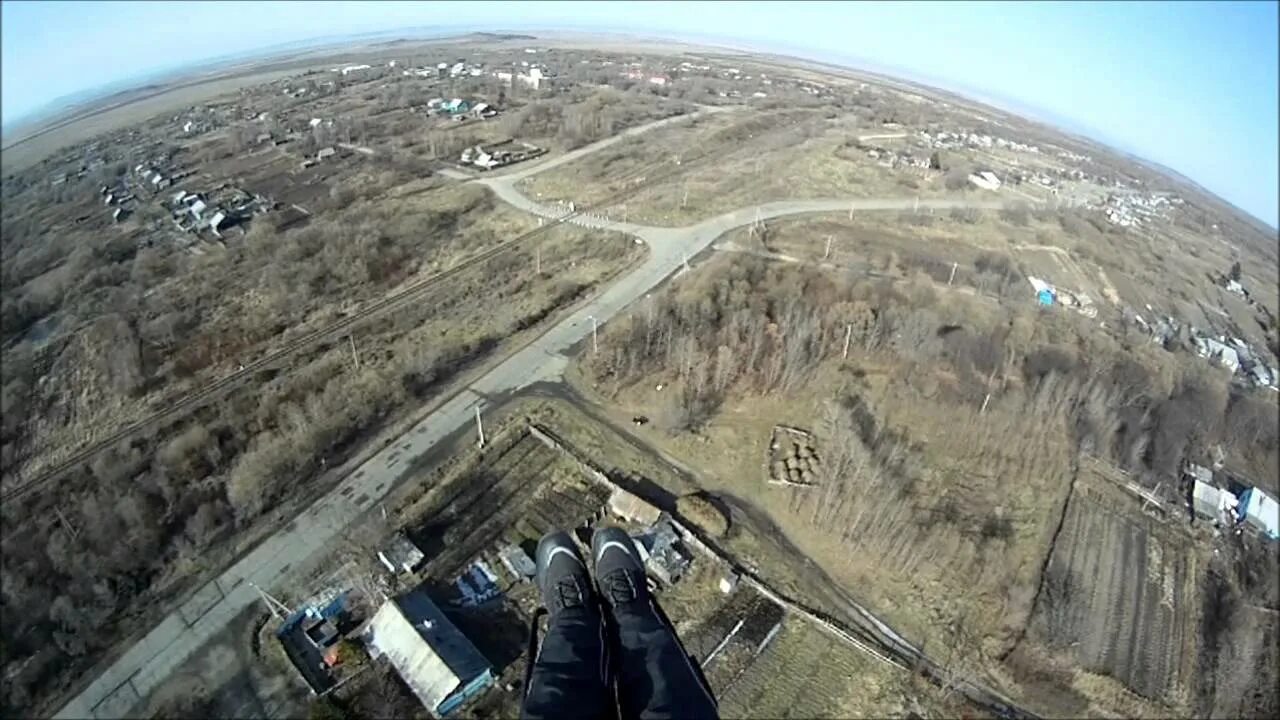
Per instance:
{"type": "Point", "coordinates": [1192, 86]}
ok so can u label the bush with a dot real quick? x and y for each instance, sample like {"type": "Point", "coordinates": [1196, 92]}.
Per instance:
{"type": "Point", "coordinates": [699, 511]}
{"type": "Point", "coordinates": [324, 709]}
{"type": "Point", "coordinates": [956, 179]}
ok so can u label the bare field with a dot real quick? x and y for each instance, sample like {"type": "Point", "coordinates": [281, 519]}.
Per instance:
{"type": "Point", "coordinates": [740, 161]}
{"type": "Point", "coordinates": [1121, 599]}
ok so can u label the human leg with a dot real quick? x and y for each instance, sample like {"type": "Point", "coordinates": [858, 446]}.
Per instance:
{"type": "Point", "coordinates": [655, 676]}
{"type": "Point", "coordinates": [569, 676]}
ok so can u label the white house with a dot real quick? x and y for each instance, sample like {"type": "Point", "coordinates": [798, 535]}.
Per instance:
{"type": "Point", "coordinates": [1218, 352]}
{"type": "Point", "coordinates": [533, 79]}
{"type": "Point", "coordinates": [1211, 502]}
{"type": "Point", "coordinates": [986, 180]}
{"type": "Point", "coordinates": [401, 555]}
{"type": "Point", "coordinates": [1261, 511]}
{"type": "Point", "coordinates": [436, 661]}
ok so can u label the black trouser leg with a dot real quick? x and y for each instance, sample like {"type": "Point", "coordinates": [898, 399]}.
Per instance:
{"type": "Point", "coordinates": [569, 678]}
{"type": "Point", "coordinates": [656, 678]}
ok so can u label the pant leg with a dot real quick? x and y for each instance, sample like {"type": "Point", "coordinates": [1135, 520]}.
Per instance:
{"type": "Point", "coordinates": [656, 677]}
{"type": "Point", "coordinates": [569, 678]}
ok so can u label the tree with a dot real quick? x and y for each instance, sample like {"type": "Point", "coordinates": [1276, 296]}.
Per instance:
{"type": "Point", "coordinates": [1235, 271]}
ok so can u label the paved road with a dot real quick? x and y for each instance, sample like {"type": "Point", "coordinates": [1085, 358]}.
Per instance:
{"type": "Point", "coordinates": [149, 662]}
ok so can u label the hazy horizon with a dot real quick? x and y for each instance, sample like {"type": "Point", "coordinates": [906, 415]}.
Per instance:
{"type": "Point", "coordinates": [1204, 110]}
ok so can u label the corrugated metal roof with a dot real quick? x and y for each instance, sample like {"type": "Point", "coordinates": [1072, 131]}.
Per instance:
{"type": "Point", "coordinates": [430, 654]}
{"type": "Point", "coordinates": [1262, 511]}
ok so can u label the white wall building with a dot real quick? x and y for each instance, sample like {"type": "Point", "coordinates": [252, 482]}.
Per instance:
{"type": "Point", "coordinates": [436, 661]}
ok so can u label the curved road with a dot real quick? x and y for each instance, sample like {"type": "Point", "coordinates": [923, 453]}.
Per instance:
{"type": "Point", "coordinates": [151, 660]}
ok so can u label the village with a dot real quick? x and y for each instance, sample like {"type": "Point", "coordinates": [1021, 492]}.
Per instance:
{"type": "Point", "coordinates": [434, 588]}
{"type": "Point", "coordinates": [447, 599]}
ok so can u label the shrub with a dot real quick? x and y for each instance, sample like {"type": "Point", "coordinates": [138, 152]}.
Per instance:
{"type": "Point", "coordinates": [699, 511]}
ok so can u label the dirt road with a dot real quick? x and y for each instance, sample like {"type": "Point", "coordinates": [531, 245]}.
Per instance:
{"type": "Point", "coordinates": [143, 667]}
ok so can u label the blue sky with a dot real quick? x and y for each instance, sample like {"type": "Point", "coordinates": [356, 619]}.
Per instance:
{"type": "Point", "coordinates": [1190, 85]}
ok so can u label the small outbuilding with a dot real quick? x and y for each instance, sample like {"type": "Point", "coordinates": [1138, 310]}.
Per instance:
{"type": "Point", "coordinates": [401, 555]}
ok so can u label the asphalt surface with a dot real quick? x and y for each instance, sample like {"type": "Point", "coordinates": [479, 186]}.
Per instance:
{"type": "Point", "coordinates": [162, 651]}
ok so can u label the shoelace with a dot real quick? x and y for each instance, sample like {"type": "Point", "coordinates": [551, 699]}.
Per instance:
{"type": "Point", "coordinates": [569, 593]}
{"type": "Point", "coordinates": [620, 587]}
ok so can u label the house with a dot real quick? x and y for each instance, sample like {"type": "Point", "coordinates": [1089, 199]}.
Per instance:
{"type": "Point", "coordinates": [631, 508]}
{"type": "Point", "coordinates": [196, 208]}
{"type": "Point", "coordinates": [119, 214]}
{"type": "Point", "coordinates": [1218, 352]}
{"type": "Point", "coordinates": [1235, 287]}
{"type": "Point", "coordinates": [659, 80]}
{"type": "Point", "coordinates": [315, 122]}
{"type": "Point", "coordinates": [1211, 502]}
{"type": "Point", "coordinates": [517, 562]}
{"type": "Point", "coordinates": [483, 110]}
{"type": "Point", "coordinates": [661, 553]}
{"type": "Point", "coordinates": [435, 102]}
{"type": "Point", "coordinates": [401, 555]}
{"type": "Point", "coordinates": [326, 152]}
{"type": "Point", "coordinates": [505, 77]}
{"type": "Point", "coordinates": [1197, 473]}
{"type": "Point", "coordinates": [533, 79]}
{"type": "Point", "coordinates": [438, 663]}
{"type": "Point", "coordinates": [262, 138]}
{"type": "Point", "coordinates": [215, 222]}
{"type": "Point", "coordinates": [1259, 510]}
{"type": "Point", "coordinates": [986, 180]}
{"type": "Point", "coordinates": [442, 69]}
{"type": "Point", "coordinates": [1260, 375]}
{"type": "Point", "coordinates": [456, 106]}
{"type": "Point", "coordinates": [457, 69]}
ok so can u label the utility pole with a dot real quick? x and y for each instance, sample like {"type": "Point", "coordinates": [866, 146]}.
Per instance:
{"type": "Point", "coordinates": [685, 259]}
{"type": "Point", "coordinates": [848, 335]}
{"type": "Point", "coordinates": [827, 254]}
{"type": "Point", "coordinates": [355, 357]}
{"type": "Point", "coordinates": [954, 265]}
{"type": "Point", "coordinates": [850, 210]}
{"type": "Point", "coordinates": [537, 260]}
{"type": "Point", "coordinates": [277, 608]}
{"type": "Point", "coordinates": [71, 529]}
{"type": "Point", "coordinates": [595, 346]}
{"type": "Point", "coordinates": [479, 429]}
